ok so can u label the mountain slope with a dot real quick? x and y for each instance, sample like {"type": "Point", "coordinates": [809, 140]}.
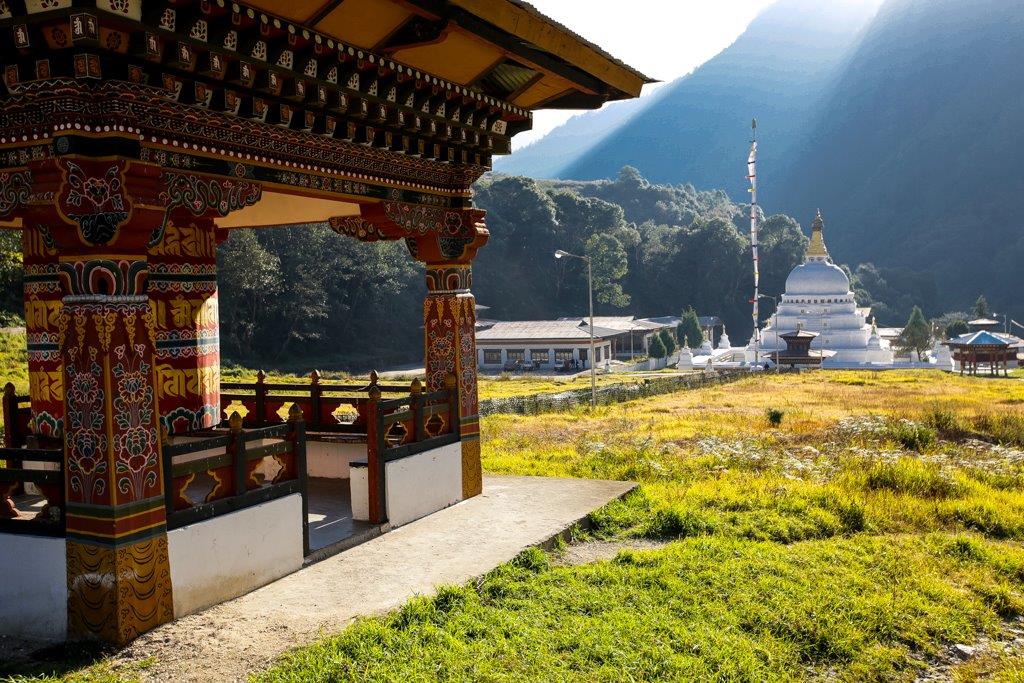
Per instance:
{"type": "Point", "coordinates": [698, 129]}
{"type": "Point", "coordinates": [915, 157]}
{"type": "Point", "coordinates": [547, 157]}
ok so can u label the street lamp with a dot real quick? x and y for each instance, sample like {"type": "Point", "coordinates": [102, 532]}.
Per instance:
{"type": "Point", "coordinates": [590, 288]}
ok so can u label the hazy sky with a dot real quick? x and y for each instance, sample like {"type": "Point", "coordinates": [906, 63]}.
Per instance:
{"type": "Point", "coordinates": [664, 39]}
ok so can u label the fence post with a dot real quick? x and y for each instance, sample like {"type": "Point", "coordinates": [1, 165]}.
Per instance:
{"type": "Point", "coordinates": [454, 419]}
{"type": "Point", "coordinates": [297, 427]}
{"type": "Point", "coordinates": [375, 464]}
{"type": "Point", "coordinates": [315, 393]}
{"type": "Point", "coordinates": [168, 466]}
{"type": "Point", "coordinates": [240, 463]}
{"type": "Point", "coordinates": [10, 410]}
{"type": "Point", "coordinates": [261, 399]}
{"type": "Point", "coordinates": [416, 405]}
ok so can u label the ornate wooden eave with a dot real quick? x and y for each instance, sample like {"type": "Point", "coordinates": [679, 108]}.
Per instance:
{"type": "Point", "coordinates": [232, 92]}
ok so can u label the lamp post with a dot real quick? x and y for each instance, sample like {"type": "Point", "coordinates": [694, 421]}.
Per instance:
{"type": "Point", "coordinates": [775, 310]}
{"type": "Point", "coordinates": [590, 289]}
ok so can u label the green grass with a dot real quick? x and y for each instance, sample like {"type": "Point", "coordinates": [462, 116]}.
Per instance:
{"type": "Point", "coordinates": [851, 539]}
{"type": "Point", "coordinates": [708, 608]}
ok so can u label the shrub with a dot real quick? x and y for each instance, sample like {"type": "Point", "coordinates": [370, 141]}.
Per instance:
{"type": "Point", "coordinates": [1006, 429]}
{"type": "Point", "coordinates": [913, 477]}
{"type": "Point", "coordinates": [774, 416]}
{"type": "Point", "coordinates": [911, 435]}
{"type": "Point", "coordinates": [946, 422]}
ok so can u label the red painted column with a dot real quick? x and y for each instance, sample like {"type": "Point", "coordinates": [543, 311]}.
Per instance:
{"type": "Point", "coordinates": [43, 304]}
{"type": "Point", "coordinates": [183, 294]}
{"type": "Point", "coordinates": [446, 241]}
{"type": "Point", "coordinates": [449, 320]}
{"type": "Point", "coordinates": [100, 214]}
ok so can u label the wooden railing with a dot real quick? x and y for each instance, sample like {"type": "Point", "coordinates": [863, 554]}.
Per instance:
{"type": "Point", "coordinates": [399, 428]}
{"type": "Point", "coordinates": [32, 491]}
{"type": "Point", "coordinates": [326, 404]}
{"type": "Point", "coordinates": [17, 414]}
{"type": "Point", "coordinates": [31, 477]}
{"type": "Point", "coordinates": [200, 485]}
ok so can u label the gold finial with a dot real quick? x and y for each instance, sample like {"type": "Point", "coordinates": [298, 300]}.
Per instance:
{"type": "Point", "coordinates": [816, 248]}
{"type": "Point", "coordinates": [261, 377]}
{"type": "Point", "coordinates": [235, 422]}
{"type": "Point", "coordinates": [373, 389]}
{"type": "Point", "coordinates": [416, 387]}
{"type": "Point", "coordinates": [314, 377]}
{"type": "Point", "coordinates": [295, 413]}
{"type": "Point", "coordinates": [449, 381]}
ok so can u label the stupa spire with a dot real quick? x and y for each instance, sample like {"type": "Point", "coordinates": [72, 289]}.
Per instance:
{"type": "Point", "coordinates": [816, 248]}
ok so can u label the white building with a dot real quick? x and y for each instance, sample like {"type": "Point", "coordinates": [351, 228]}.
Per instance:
{"type": "Point", "coordinates": [818, 299]}
{"type": "Point", "coordinates": [542, 345]}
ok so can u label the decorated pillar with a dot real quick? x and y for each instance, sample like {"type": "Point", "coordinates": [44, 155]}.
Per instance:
{"type": "Point", "coordinates": [100, 214]}
{"type": "Point", "coordinates": [183, 295]}
{"type": "Point", "coordinates": [43, 303]}
{"type": "Point", "coordinates": [446, 241]}
{"type": "Point", "coordinates": [449, 320]}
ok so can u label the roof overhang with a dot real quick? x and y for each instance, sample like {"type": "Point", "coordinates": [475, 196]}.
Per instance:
{"type": "Point", "coordinates": [505, 48]}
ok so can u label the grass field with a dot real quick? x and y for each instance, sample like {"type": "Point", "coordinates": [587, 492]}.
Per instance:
{"type": "Point", "coordinates": [879, 522]}
{"type": "Point", "coordinates": [837, 526]}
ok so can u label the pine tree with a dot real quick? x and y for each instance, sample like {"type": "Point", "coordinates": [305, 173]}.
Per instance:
{"type": "Point", "coordinates": [980, 308]}
{"type": "Point", "coordinates": [917, 335]}
{"type": "Point", "coordinates": [956, 329]}
{"type": "Point", "coordinates": [657, 347]}
{"type": "Point", "coordinates": [668, 341]}
{"type": "Point", "coordinates": [689, 330]}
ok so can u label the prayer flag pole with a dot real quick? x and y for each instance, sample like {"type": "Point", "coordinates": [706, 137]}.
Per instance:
{"type": "Point", "coordinates": [752, 177]}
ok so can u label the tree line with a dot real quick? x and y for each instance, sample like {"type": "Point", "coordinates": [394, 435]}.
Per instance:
{"type": "Point", "coordinates": [300, 296]}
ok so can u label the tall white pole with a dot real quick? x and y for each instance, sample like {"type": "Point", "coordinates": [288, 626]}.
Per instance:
{"type": "Point", "coordinates": [593, 358]}
{"type": "Point", "coordinates": [752, 176]}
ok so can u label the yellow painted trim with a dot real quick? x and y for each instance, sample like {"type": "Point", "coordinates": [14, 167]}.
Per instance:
{"type": "Point", "coordinates": [558, 41]}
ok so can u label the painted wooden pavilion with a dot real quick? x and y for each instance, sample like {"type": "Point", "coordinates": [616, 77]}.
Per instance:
{"type": "Point", "coordinates": [134, 134]}
{"type": "Point", "coordinates": [984, 349]}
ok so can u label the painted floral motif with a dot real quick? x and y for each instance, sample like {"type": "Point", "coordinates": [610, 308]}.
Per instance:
{"type": "Point", "coordinates": [95, 203]}
{"type": "Point", "coordinates": [14, 190]}
{"type": "Point", "coordinates": [87, 440]}
{"type": "Point", "coordinates": [136, 442]}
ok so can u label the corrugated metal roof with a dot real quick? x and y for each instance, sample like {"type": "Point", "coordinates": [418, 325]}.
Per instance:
{"type": "Point", "coordinates": [525, 330]}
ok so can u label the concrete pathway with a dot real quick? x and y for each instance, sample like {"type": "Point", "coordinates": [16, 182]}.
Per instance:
{"type": "Point", "coordinates": [229, 641]}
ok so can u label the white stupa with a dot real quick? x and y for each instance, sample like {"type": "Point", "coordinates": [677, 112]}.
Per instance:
{"type": "Point", "coordinates": [818, 299]}
{"type": "Point", "coordinates": [724, 343]}
{"type": "Point", "coordinates": [706, 349]}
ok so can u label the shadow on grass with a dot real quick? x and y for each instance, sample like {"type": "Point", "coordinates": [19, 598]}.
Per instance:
{"type": "Point", "coordinates": [55, 662]}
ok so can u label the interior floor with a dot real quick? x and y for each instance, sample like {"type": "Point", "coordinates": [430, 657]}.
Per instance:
{"type": "Point", "coordinates": [330, 513]}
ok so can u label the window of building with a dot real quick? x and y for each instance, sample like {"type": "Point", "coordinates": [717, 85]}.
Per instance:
{"type": "Point", "coordinates": [539, 356]}
{"type": "Point", "coordinates": [517, 354]}
{"type": "Point", "coordinates": [492, 357]}
{"type": "Point", "coordinates": [583, 355]}
{"type": "Point", "coordinates": [597, 354]}
{"type": "Point", "coordinates": [563, 355]}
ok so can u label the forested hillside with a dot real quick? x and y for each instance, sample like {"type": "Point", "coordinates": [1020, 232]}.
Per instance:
{"type": "Point", "coordinates": [304, 296]}
{"type": "Point", "coordinates": [916, 154]}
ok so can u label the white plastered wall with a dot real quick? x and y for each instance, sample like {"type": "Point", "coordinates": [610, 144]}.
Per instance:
{"type": "Point", "coordinates": [231, 555]}
{"type": "Point", "coordinates": [331, 460]}
{"type": "Point", "coordinates": [33, 587]}
{"type": "Point", "coordinates": [416, 486]}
